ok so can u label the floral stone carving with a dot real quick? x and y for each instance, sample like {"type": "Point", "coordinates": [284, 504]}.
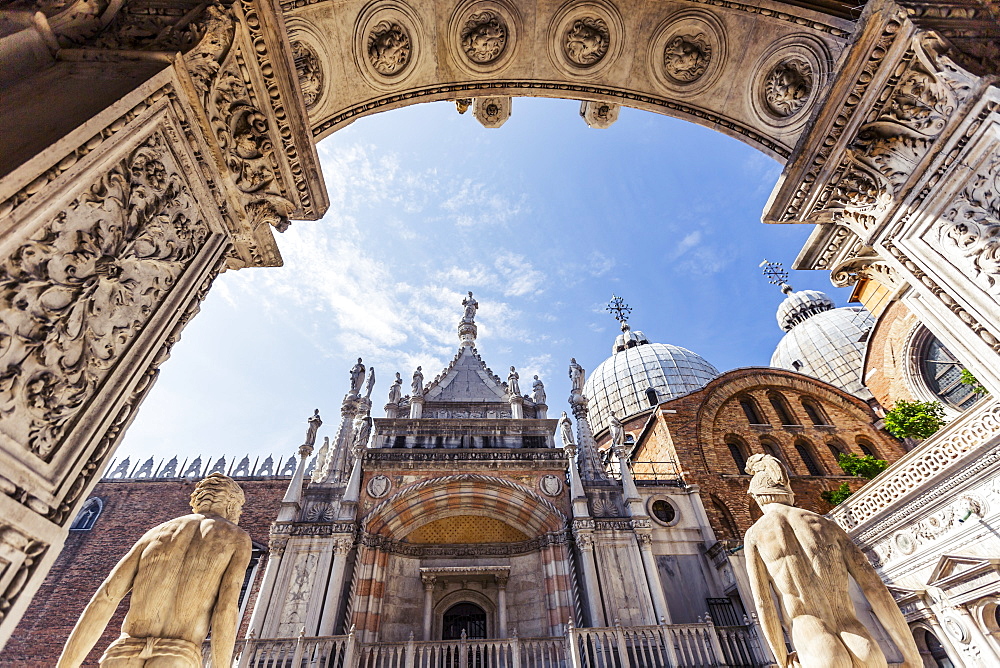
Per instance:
{"type": "Point", "coordinates": [484, 37]}
{"type": "Point", "coordinates": [787, 87]}
{"type": "Point", "coordinates": [973, 228]}
{"type": "Point", "coordinates": [76, 294]}
{"type": "Point", "coordinates": [388, 48]}
{"type": "Point", "coordinates": [686, 57]}
{"type": "Point", "coordinates": [587, 41]}
{"type": "Point", "coordinates": [308, 69]}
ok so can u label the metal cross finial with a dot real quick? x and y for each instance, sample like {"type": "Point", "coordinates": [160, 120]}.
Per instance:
{"type": "Point", "coordinates": [621, 310]}
{"type": "Point", "coordinates": [776, 275]}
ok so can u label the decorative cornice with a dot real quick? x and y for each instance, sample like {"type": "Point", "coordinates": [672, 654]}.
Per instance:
{"type": "Point", "coordinates": [385, 544]}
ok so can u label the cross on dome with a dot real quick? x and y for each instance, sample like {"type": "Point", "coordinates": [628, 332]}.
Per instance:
{"type": "Point", "coordinates": [776, 275]}
{"type": "Point", "coordinates": [620, 309]}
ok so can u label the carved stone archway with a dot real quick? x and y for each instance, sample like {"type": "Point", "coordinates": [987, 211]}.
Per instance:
{"type": "Point", "coordinates": [150, 145]}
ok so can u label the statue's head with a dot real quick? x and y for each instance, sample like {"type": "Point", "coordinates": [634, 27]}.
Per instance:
{"type": "Point", "coordinates": [770, 481]}
{"type": "Point", "coordinates": [218, 494]}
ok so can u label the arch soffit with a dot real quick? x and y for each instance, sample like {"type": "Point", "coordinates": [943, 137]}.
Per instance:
{"type": "Point", "coordinates": [718, 75]}
{"type": "Point", "coordinates": [732, 383]}
{"type": "Point", "coordinates": [465, 494]}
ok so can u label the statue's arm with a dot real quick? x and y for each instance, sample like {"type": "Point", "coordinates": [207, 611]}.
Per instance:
{"type": "Point", "coordinates": [225, 616]}
{"type": "Point", "coordinates": [883, 604]}
{"type": "Point", "coordinates": [102, 606]}
{"type": "Point", "coordinates": [770, 622]}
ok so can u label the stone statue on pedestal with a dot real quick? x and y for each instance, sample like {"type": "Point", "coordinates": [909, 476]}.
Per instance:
{"type": "Point", "coordinates": [417, 385]}
{"type": "Point", "coordinates": [538, 391]}
{"type": "Point", "coordinates": [370, 385]}
{"type": "Point", "coordinates": [807, 560]}
{"type": "Point", "coordinates": [315, 422]}
{"type": "Point", "coordinates": [185, 577]}
{"type": "Point", "coordinates": [565, 430]}
{"type": "Point", "coordinates": [396, 391]}
{"type": "Point", "coordinates": [357, 378]}
{"type": "Point", "coordinates": [513, 387]}
{"type": "Point", "coordinates": [471, 306]}
{"type": "Point", "coordinates": [576, 377]}
{"type": "Point", "coordinates": [616, 431]}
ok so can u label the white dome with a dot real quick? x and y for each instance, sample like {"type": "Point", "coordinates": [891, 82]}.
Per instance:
{"type": "Point", "coordinates": [830, 346]}
{"type": "Point", "coordinates": [799, 306]}
{"type": "Point", "coordinates": [619, 383]}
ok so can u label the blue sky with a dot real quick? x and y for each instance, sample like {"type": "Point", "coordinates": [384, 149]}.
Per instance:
{"type": "Point", "coordinates": [543, 219]}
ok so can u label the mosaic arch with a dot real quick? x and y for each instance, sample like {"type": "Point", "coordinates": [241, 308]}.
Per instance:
{"type": "Point", "coordinates": [156, 143]}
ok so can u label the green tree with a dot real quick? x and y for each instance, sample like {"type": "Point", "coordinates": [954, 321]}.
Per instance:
{"type": "Point", "coordinates": [865, 466]}
{"type": "Point", "coordinates": [970, 380]}
{"type": "Point", "coordinates": [836, 496]}
{"type": "Point", "coordinates": [914, 419]}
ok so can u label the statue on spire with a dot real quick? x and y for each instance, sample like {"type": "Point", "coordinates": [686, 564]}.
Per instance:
{"type": "Point", "coordinates": [513, 387]}
{"type": "Point", "coordinates": [314, 424]}
{"type": "Point", "coordinates": [396, 391]}
{"type": "Point", "coordinates": [357, 378]}
{"type": "Point", "coordinates": [370, 384]}
{"type": "Point", "coordinates": [471, 306]}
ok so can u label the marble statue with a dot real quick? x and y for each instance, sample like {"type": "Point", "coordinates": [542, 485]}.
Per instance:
{"type": "Point", "coordinates": [417, 385]}
{"type": "Point", "coordinates": [396, 391]}
{"type": "Point", "coordinates": [370, 384]}
{"type": "Point", "coordinates": [322, 461]}
{"type": "Point", "coordinates": [315, 422]}
{"type": "Point", "coordinates": [576, 376]}
{"type": "Point", "coordinates": [565, 430]}
{"type": "Point", "coordinates": [362, 431]}
{"type": "Point", "coordinates": [471, 306]}
{"type": "Point", "coordinates": [616, 431]}
{"type": "Point", "coordinates": [538, 391]}
{"type": "Point", "coordinates": [357, 378]}
{"type": "Point", "coordinates": [185, 577]}
{"type": "Point", "coordinates": [513, 387]}
{"type": "Point", "coordinates": [808, 560]}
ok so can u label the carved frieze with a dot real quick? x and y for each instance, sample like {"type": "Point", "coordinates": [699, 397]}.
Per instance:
{"type": "Point", "coordinates": [307, 67]}
{"type": "Point", "coordinates": [970, 233]}
{"type": "Point", "coordinates": [484, 37]}
{"type": "Point", "coordinates": [76, 294]}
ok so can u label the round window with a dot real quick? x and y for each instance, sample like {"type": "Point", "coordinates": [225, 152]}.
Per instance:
{"type": "Point", "coordinates": [663, 511]}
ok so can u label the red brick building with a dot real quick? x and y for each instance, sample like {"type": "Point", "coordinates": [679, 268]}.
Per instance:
{"type": "Point", "coordinates": [123, 511]}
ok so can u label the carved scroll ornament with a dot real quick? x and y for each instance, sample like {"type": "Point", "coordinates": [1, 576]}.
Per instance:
{"type": "Point", "coordinates": [74, 296]}
{"type": "Point", "coordinates": [971, 235]}
{"type": "Point", "coordinates": [309, 72]}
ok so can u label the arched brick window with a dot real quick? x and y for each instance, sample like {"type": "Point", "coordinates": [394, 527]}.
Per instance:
{"type": "Point", "coordinates": [836, 448]}
{"type": "Point", "coordinates": [867, 448]}
{"type": "Point", "coordinates": [88, 515]}
{"type": "Point", "coordinates": [808, 458]}
{"type": "Point", "coordinates": [739, 452]}
{"type": "Point", "coordinates": [751, 410]}
{"type": "Point", "coordinates": [815, 413]}
{"type": "Point", "coordinates": [781, 408]}
{"type": "Point", "coordinates": [727, 523]}
{"type": "Point", "coordinates": [771, 448]}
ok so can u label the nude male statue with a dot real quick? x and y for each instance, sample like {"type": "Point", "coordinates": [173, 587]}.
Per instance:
{"type": "Point", "coordinates": [807, 559]}
{"type": "Point", "coordinates": [185, 577]}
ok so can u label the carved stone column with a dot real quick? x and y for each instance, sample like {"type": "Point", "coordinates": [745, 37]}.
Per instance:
{"type": "Point", "coordinates": [429, 582]}
{"type": "Point", "coordinates": [501, 606]}
{"type": "Point", "coordinates": [335, 589]}
{"type": "Point", "coordinates": [276, 548]}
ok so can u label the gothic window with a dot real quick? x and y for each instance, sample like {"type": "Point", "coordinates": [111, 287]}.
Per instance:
{"type": "Point", "coordinates": [867, 448]}
{"type": "Point", "coordinates": [942, 373]}
{"type": "Point", "coordinates": [727, 523]}
{"type": "Point", "coordinates": [815, 413]}
{"type": "Point", "coordinates": [781, 408]}
{"type": "Point", "coordinates": [738, 450]}
{"type": "Point", "coordinates": [805, 452]}
{"type": "Point", "coordinates": [772, 449]}
{"type": "Point", "coordinates": [836, 449]}
{"type": "Point", "coordinates": [467, 617]}
{"type": "Point", "coordinates": [750, 409]}
{"type": "Point", "coordinates": [88, 515]}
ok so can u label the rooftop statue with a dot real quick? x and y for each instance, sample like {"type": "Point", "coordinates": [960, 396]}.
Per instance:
{"type": "Point", "coordinates": [185, 577]}
{"type": "Point", "coordinates": [396, 391]}
{"type": "Point", "coordinates": [807, 559]}
{"type": "Point", "coordinates": [417, 384]}
{"type": "Point", "coordinates": [538, 391]}
{"type": "Point", "coordinates": [357, 378]}
{"type": "Point", "coordinates": [315, 422]}
{"type": "Point", "coordinates": [616, 431]}
{"type": "Point", "coordinates": [576, 376]}
{"type": "Point", "coordinates": [565, 429]}
{"type": "Point", "coordinates": [370, 384]}
{"type": "Point", "coordinates": [471, 306]}
{"type": "Point", "coordinates": [513, 388]}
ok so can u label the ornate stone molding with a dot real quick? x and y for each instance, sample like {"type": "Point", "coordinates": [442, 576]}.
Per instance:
{"type": "Point", "coordinates": [385, 544]}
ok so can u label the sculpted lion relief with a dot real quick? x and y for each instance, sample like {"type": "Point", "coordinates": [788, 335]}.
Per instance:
{"type": "Point", "coordinates": [787, 87]}
{"type": "Point", "coordinates": [686, 57]}
{"type": "Point", "coordinates": [587, 41]}
{"type": "Point", "coordinates": [484, 37]}
{"type": "Point", "coordinates": [388, 48]}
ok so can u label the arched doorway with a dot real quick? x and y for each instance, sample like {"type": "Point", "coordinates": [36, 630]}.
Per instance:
{"type": "Point", "coordinates": [465, 617]}
{"type": "Point", "coordinates": [931, 649]}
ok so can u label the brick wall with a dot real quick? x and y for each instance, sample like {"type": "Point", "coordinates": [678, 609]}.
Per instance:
{"type": "Point", "coordinates": [697, 436]}
{"type": "Point", "coordinates": [131, 507]}
{"type": "Point", "coordinates": [885, 364]}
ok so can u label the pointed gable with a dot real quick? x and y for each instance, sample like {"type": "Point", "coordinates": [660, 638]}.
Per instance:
{"type": "Point", "coordinates": [466, 380]}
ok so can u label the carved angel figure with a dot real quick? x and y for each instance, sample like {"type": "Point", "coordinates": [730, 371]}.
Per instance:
{"type": "Point", "coordinates": [388, 47]}
{"type": "Point", "coordinates": [587, 41]}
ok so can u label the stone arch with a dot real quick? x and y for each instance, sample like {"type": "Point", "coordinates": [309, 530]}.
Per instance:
{"type": "Point", "coordinates": [696, 63]}
{"type": "Point", "coordinates": [467, 494]}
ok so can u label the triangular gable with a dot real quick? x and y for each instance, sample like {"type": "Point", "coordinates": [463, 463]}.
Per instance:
{"type": "Point", "coordinates": [466, 379]}
{"type": "Point", "coordinates": [950, 565]}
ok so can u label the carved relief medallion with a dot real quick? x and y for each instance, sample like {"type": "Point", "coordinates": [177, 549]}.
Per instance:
{"type": "Point", "coordinates": [484, 37]}
{"type": "Point", "coordinates": [388, 48]}
{"type": "Point", "coordinates": [379, 486]}
{"type": "Point", "coordinates": [550, 485]}
{"type": "Point", "coordinates": [787, 87]}
{"type": "Point", "coordinates": [686, 57]}
{"type": "Point", "coordinates": [308, 69]}
{"type": "Point", "coordinates": [587, 40]}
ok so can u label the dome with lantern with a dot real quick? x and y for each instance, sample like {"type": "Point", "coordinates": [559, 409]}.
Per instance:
{"type": "Point", "coordinates": [640, 375]}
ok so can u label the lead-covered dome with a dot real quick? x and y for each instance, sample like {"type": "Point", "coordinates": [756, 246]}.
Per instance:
{"type": "Point", "coordinates": [622, 382]}
{"type": "Point", "coordinates": [824, 342]}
